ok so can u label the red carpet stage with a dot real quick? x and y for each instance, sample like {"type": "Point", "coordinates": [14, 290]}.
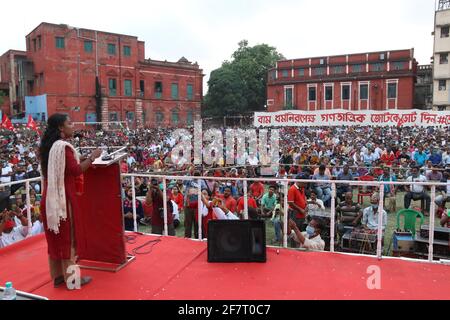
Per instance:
{"type": "Point", "coordinates": [177, 269]}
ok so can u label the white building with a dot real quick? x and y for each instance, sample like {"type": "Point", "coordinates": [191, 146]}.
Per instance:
{"type": "Point", "coordinates": [441, 70]}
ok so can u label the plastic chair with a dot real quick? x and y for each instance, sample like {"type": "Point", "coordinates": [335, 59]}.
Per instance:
{"type": "Point", "coordinates": [410, 219]}
{"type": "Point", "coordinates": [361, 191]}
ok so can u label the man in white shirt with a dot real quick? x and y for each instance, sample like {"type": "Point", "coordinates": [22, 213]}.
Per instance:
{"type": "Point", "coordinates": [130, 160]}
{"type": "Point", "coordinates": [370, 215]}
{"type": "Point", "coordinates": [364, 150]}
{"type": "Point", "coordinates": [253, 160]}
{"type": "Point", "coordinates": [416, 192]}
{"type": "Point", "coordinates": [37, 228]}
{"type": "Point", "coordinates": [176, 214]}
{"type": "Point", "coordinates": [315, 205]}
{"type": "Point", "coordinates": [21, 149]}
{"type": "Point", "coordinates": [378, 151]}
{"type": "Point", "coordinates": [9, 231]}
{"type": "Point", "coordinates": [309, 240]}
{"type": "Point", "coordinates": [222, 213]}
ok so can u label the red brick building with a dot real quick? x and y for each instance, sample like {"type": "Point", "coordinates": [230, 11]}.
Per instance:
{"type": "Point", "coordinates": [11, 83]}
{"type": "Point", "coordinates": [66, 63]}
{"type": "Point", "coordinates": [368, 81]}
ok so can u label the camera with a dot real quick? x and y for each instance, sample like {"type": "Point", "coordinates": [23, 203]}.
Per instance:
{"type": "Point", "coordinates": [216, 202]}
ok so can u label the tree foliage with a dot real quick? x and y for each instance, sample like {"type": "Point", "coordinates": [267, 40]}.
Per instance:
{"type": "Point", "coordinates": [239, 85]}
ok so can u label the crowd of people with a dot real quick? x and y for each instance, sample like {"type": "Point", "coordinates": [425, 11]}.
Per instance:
{"type": "Point", "coordinates": [319, 153]}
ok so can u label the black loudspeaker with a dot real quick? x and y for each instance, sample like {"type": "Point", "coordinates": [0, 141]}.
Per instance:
{"type": "Point", "coordinates": [236, 241]}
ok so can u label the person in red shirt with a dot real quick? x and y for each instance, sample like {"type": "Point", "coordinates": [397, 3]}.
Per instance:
{"type": "Point", "coordinates": [293, 170]}
{"type": "Point", "coordinates": [177, 197]}
{"type": "Point", "coordinates": [15, 159]}
{"type": "Point", "coordinates": [147, 206]}
{"type": "Point", "coordinates": [253, 211]}
{"type": "Point", "coordinates": [230, 202]}
{"type": "Point", "coordinates": [218, 173]}
{"type": "Point", "coordinates": [297, 202]}
{"type": "Point", "coordinates": [123, 167]}
{"type": "Point", "coordinates": [257, 190]}
{"type": "Point", "coordinates": [388, 157]}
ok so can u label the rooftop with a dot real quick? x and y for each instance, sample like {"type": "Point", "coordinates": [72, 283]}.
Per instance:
{"type": "Point", "coordinates": [349, 54]}
{"type": "Point", "coordinates": [16, 52]}
{"type": "Point", "coordinates": [66, 26]}
{"type": "Point", "coordinates": [181, 63]}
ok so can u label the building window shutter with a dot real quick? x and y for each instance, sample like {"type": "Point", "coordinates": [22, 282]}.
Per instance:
{"type": "Point", "coordinates": [60, 43]}
{"type": "Point", "coordinates": [190, 92]}
{"type": "Point", "coordinates": [128, 88]}
{"type": "Point", "coordinates": [174, 91]}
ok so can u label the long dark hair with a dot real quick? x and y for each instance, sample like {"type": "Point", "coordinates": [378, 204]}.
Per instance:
{"type": "Point", "coordinates": [51, 135]}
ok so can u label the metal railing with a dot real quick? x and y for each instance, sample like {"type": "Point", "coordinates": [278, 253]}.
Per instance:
{"type": "Point", "coordinates": [285, 182]}
{"type": "Point", "coordinates": [26, 182]}
{"type": "Point", "coordinates": [280, 181]}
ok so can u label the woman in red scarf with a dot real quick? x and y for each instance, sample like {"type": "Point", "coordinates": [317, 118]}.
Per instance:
{"type": "Point", "coordinates": [62, 245]}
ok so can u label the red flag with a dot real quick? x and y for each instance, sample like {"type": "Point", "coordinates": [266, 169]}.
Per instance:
{"type": "Point", "coordinates": [32, 125]}
{"type": "Point", "coordinates": [6, 123]}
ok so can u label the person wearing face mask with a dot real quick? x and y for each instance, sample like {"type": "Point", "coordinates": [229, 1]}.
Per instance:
{"type": "Point", "coordinates": [370, 215]}
{"type": "Point", "coordinates": [310, 239]}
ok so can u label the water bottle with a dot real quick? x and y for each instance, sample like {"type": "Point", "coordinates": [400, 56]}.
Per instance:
{"type": "Point", "coordinates": [9, 293]}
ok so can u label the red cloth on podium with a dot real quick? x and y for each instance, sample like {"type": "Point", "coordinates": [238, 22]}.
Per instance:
{"type": "Point", "coordinates": [59, 245]}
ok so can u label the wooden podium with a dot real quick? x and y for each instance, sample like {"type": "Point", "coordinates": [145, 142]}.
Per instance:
{"type": "Point", "coordinates": [102, 226]}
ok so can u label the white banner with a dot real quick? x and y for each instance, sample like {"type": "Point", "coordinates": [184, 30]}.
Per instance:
{"type": "Point", "coordinates": [297, 118]}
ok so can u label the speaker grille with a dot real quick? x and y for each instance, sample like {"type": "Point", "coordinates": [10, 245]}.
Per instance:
{"type": "Point", "coordinates": [236, 241]}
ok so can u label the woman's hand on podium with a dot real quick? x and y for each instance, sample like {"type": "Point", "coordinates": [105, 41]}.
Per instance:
{"type": "Point", "coordinates": [95, 154]}
{"type": "Point", "coordinates": [88, 162]}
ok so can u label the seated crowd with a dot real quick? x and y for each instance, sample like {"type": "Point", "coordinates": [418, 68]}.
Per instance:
{"type": "Point", "coordinates": [319, 154]}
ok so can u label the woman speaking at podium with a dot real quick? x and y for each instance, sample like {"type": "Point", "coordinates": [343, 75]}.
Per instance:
{"type": "Point", "coordinates": [61, 167]}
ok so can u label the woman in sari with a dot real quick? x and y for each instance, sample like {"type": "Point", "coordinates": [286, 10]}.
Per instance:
{"type": "Point", "coordinates": [61, 171]}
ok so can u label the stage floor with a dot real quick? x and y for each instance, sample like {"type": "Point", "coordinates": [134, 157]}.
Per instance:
{"type": "Point", "coordinates": [177, 269]}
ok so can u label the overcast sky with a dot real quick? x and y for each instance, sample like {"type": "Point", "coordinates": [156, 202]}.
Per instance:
{"type": "Point", "coordinates": [208, 31]}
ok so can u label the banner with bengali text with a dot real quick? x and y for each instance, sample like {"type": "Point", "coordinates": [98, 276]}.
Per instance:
{"type": "Point", "coordinates": [406, 118]}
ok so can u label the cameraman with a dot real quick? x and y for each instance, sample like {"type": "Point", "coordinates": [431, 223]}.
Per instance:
{"type": "Point", "coordinates": [155, 198]}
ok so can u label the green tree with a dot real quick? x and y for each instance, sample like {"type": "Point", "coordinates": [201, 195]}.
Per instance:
{"type": "Point", "coordinates": [226, 94]}
{"type": "Point", "coordinates": [239, 85]}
